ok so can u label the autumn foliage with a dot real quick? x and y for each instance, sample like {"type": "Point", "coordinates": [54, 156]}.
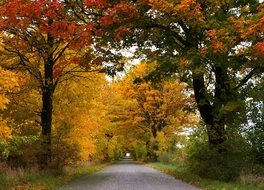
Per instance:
{"type": "Point", "coordinates": [50, 41]}
{"type": "Point", "coordinates": [142, 112]}
{"type": "Point", "coordinates": [201, 66]}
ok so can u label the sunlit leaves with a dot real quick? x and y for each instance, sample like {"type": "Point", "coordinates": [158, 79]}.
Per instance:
{"type": "Point", "coordinates": [81, 102]}
{"type": "Point", "coordinates": [5, 131]}
{"type": "Point", "coordinates": [8, 82]}
{"type": "Point", "coordinates": [141, 109]}
{"type": "Point", "coordinates": [189, 10]}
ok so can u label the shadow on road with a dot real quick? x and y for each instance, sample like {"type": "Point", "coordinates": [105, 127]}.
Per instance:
{"type": "Point", "coordinates": [125, 161]}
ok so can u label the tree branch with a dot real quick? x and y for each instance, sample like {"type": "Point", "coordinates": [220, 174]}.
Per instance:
{"type": "Point", "coordinates": [179, 40]}
{"type": "Point", "coordinates": [247, 77]}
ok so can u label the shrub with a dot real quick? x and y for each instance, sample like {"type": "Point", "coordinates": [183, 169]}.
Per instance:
{"type": "Point", "coordinates": [152, 147]}
{"type": "Point", "coordinates": [140, 151]}
{"type": "Point", "coordinates": [114, 150]}
{"type": "Point", "coordinates": [65, 151]}
{"type": "Point", "coordinates": [250, 179]}
{"type": "Point", "coordinates": [208, 162]}
{"type": "Point", "coordinates": [167, 157]}
{"type": "Point", "coordinates": [22, 151]}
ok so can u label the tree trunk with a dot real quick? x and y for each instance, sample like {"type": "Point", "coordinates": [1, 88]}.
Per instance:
{"type": "Point", "coordinates": [216, 135]}
{"type": "Point", "coordinates": [215, 124]}
{"type": "Point", "coordinates": [46, 112]}
{"type": "Point", "coordinates": [48, 88]}
{"type": "Point", "coordinates": [46, 123]}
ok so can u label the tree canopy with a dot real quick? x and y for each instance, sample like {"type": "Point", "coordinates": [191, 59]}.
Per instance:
{"type": "Point", "coordinates": [216, 47]}
{"type": "Point", "coordinates": [200, 65]}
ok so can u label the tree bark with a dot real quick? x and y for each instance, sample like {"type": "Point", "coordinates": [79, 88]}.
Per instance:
{"type": "Point", "coordinates": [210, 113]}
{"type": "Point", "coordinates": [46, 114]}
{"type": "Point", "coordinates": [47, 106]}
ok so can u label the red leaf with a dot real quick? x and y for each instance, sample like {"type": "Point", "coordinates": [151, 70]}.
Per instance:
{"type": "Point", "coordinates": [259, 49]}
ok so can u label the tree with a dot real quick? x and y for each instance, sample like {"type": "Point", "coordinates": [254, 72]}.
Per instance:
{"type": "Point", "coordinates": [51, 41]}
{"type": "Point", "coordinates": [41, 38]}
{"type": "Point", "coordinates": [215, 46]}
{"type": "Point", "coordinates": [142, 109]}
{"type": "Point", "coordinates": [78, 119]}
{"type": "Point", "coordinates": [9, 82]}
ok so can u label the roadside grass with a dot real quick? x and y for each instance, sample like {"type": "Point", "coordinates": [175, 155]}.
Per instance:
{"type": "Point", "coordinates": [33, 179]}
{"type": "Point", "coordinates": [244, 183]}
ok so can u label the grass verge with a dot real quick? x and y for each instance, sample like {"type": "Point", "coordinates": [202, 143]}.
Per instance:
{"type": "Point", "coordinates": [21, 179]}
{"type": "Point", "coordinates": [180, 173]}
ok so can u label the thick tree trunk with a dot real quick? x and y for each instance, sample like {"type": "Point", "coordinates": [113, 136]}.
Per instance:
{"type": "Point", "coordinates": [46, 112]}
{"type": "Point", "coordinates": [216, 135]}
{"type": "Point", "coordinates": [46, 123]}
{"type": "Point", "coordinates": [48, 88]}
{"type": "Point", "coordinates": [215, 124]}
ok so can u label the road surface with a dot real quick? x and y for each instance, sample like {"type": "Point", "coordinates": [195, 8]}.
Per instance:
{"type": "Point", "coordinates": [128, 175]}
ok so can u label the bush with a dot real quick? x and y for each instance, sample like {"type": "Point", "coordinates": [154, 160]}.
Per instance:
{"type": "Point", "coordinates": [64, 150]}
{"type": "Point", "coordinates": [22, 151]}
{"type": "Point", "coordinates": [152, 147]}
{"type": "Point", "coordinates": [208, 162]}
{"type": "Point", "coordinates": [114, 150]}
{"type": "Point", "coordinates": [167, 157]}
{"type": "Point", "coordinates": [140, 151]}
{"type": "Point", "coordinates": [17, 147]}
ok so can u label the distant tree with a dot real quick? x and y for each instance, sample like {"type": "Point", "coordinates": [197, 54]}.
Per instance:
{"type": "Point", "coordinates": [144, 109]}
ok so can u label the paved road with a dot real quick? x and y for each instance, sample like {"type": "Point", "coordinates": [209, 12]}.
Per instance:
{"type": "Point", "coordinates": [128, 175]}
